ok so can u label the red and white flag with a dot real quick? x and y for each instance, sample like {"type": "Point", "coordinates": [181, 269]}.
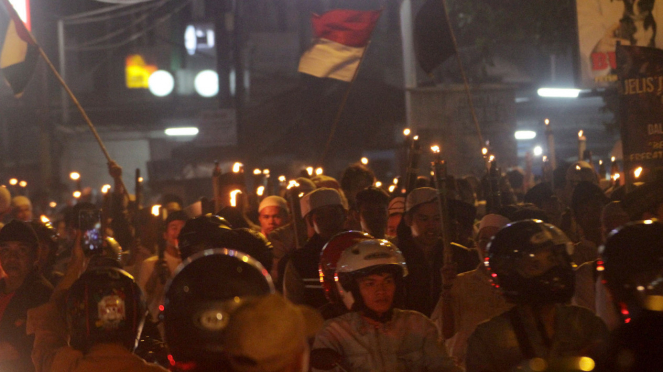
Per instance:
{"type": "Point", "coordinates": [341, 37]}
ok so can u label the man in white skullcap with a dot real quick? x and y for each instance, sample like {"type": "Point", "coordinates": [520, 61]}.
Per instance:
{"type": "Point", "coordinates": [272, 214]}
{"type": "Point", "coordinates": [471, 298]}
{"type": "Point", "coordinates": [323, 210]}
{"type": "Point", "coordinates": [5, 204]}
{"type": "Point", "coordinates": [22, 208]}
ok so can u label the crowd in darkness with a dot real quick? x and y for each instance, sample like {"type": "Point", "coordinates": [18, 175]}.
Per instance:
{"type": "Point", "coordinates": [341, 275]}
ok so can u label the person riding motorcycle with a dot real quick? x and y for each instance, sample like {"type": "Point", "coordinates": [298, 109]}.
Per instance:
{"type": "Point", "coordinates": [375, 335]}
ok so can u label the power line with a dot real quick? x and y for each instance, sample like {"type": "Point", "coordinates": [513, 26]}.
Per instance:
{"type": "Point", "coordinates": [134, 36]}
{"type": "Point", "coordinates": [122, 30]}
{"type": "Point", "coordinates": [108, 17]}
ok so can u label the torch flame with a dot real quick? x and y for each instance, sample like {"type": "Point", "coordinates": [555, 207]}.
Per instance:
{"type": "Point", "coordinates": [547, 121]}
{"type": "Point", "coordinates": [309, 170]}
{"type": "Point", "coordinates": [105, 188]}
{"type": "Point", "coordinates": [257, 171]}
{"type": "Point", "coordinates": [44, 219]}
{"type": "Point", "coordinates": [156, 210]}
{"type": "Point", "coordinates": [580, 134]}
{"type": "Point", "coordinates": [292, 184]}
{"type": "Point", "coordinates": [233, 197]}
{"type": "Point", "coordinates": [237, 167]}
{"type": "Point", "coordinates": [484, 151]}
{"type": "Point", "coordinates": [406, 132]}
{"type": "Point", "coordinates": [435, 149]}
{"type": "Point", "coordinates": [637, 172]}
{"type": "Point", "coordinates": [261, 190]}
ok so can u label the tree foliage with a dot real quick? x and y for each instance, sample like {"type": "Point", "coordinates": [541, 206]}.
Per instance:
{"type": "Point", "coordinates": [546, 24]}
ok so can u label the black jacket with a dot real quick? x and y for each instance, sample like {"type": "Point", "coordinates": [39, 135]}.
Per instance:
{"type": "Point", "coordinates": [35, 291]}
{"type": "Point", "coordinates": [423, 284]}
{"type": "Point", "coordinates": [306, 260]}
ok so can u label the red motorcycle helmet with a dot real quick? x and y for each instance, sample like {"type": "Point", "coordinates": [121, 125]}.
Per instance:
{"type": "Point", "coordinates": [329, 256]}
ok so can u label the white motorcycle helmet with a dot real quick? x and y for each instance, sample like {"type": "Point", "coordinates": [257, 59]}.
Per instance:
{"type": "Point", "coordinates": [362, 259]}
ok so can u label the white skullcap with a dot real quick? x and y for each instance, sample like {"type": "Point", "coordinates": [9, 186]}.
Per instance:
{"type": "Point", "coordinates": [273, 201]}
{"type": "Point", "coordinates": [20, 201]}
{"type": "Point", "coordinates": [420, 196]}
{"type": "Point", "coordinates": [5, 199]}
{"type": "Point", "coordinates": [397, 205]}
{"type": "Point", "coordinates": [319, 198]}
{"type": "Point", "coordinates": [493, 220]}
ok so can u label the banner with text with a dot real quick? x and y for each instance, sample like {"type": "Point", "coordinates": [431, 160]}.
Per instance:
{"type": "Point", "coordinates": [602, 24]}
{"type": "Point", "coordinates": [640, 72]}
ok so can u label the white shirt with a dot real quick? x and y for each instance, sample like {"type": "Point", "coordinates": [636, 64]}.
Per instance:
{"type": "Point", "coordinates": [155, 298]}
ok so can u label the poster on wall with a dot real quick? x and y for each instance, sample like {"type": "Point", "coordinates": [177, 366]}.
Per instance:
{"type": "Point", "coordinates": [602, 24]}
{"type": "Point", "coordinates": [640, 72]}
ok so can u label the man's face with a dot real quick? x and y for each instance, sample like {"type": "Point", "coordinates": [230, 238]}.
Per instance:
{"type": "Point", "coordinates": [373, 218]}
{"type": "Point", "coordinates": [328, 220]}
{"type": "Point", "coordinates": [172, 232]}
{"type": "Point", "coordinates": [23, 213]}
{"type": "Point", "coordinates": [17, 258]}
{"type": "Point", "coordinates": [377, 291]}
{"type": "Point", "coordinates": [483, 238]}
{"type": "Point", "coordinates": [271, 218]}
{"type": "Point", "coordinates": [425, 224]}
{"type": "Point", "coordinates": [392, 224]}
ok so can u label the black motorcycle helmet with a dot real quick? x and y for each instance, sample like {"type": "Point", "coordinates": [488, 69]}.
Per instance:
{"type": "Point", "coordinates": [632, 263]}
{"type": "Point", "coordinates": [530, 261]}
{"type": "Point", "coordinates": [200, 233]}
{"type": "Point", "coordinates": [109, 254]}
{"type": "Point", "coordinates": [200, 298]}
{"type": "Point", "coordinates": [105, 305]}
{"type": "Point", "coordinates": [211, 231]}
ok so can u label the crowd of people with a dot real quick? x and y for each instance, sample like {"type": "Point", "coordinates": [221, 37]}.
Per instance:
{"type": "Point", "coordinates": [342, 276]}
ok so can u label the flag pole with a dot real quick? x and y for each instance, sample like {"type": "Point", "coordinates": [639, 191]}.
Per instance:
{"type": "Point", "coordinates": [15, 16]}
{"type": "Point", "coordinates": [462, 73]}
{"type": "Point", "coordinates": [337, 119]}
